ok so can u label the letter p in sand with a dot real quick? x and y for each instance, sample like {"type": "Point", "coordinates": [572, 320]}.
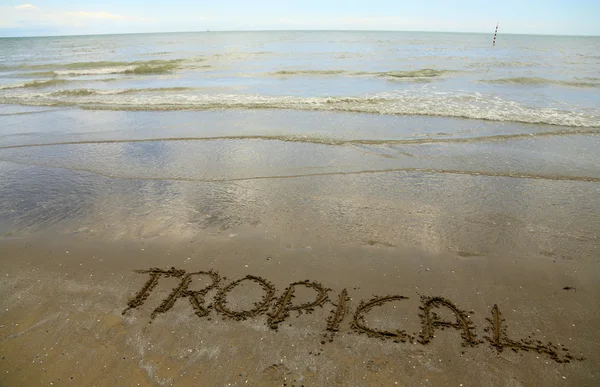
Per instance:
{"type": "Point", "coordinates": [284, 304]}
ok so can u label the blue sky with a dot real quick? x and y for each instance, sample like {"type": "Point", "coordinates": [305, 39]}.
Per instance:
{"type": "Point", "coordinates": [60, 17]}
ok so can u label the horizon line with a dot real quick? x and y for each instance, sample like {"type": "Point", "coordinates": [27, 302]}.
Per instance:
{"type": "Point", "coordinates": [291, 30]}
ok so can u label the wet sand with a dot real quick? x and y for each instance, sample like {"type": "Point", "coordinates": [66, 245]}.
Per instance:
{"type": "Point", "coordinates": [464, 254]}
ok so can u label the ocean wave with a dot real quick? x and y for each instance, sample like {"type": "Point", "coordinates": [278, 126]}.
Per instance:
{"type": "Point", "coordinates": [421, 73]}
{"type": "Point", "coordinates": [84, 92]}
{"type": "Point", "coordinates": [405, 102]}
{"type": "Point", "coordinates": [541, 81]}
{"type": "Point", "coordinates": [93, 65]}
{"type": "Point", "coordinates": [101, 67]}
{"type": "Point", "coordinates": [96, 71]}
{"type": "Point", "coordinates": [36, 74]}
{"type": "Point", "coordinates": [88, 92]}
{"type": "Point", "coordinates": [129, 69]}
{"type": "Point", "coordinates": [34, 84]}
{"type": "Point", "coordinates": [404, 74]}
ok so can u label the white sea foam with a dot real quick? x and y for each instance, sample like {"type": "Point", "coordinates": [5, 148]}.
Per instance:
{"type": "Point", "coordinates": [405, 102]}
{"type": "Point", "coordinates": [97, 71]}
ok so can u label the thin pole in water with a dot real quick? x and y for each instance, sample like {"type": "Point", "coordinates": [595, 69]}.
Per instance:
{"type": "Point", "coordinates": [495, 33]}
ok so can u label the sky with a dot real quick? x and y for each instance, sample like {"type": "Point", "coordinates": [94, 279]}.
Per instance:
{"type": "Point", "coordinates": [63, 17]}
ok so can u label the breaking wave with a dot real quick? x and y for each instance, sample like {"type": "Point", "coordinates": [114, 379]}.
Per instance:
{"type": "Point", "coordinates": [34, 84]}
{"type": "Point", "coordinates": [458, 105]}
{"type": "Point", "coordinates": [88, 92]}
{"type": "Point", "coordinates": [141, 69]}
{"type": "Point", "coordinates": [101, 67]}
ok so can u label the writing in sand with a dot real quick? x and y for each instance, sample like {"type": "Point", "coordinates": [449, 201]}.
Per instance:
{"type": "Point", "coordinates": [278, 309]}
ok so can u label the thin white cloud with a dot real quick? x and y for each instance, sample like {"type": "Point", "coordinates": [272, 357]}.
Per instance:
{"type": "Point", "coordinates": [26, 6]}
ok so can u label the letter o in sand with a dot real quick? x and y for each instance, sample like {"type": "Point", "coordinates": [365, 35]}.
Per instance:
{"type": "Point", "coordinates": [261, 307]}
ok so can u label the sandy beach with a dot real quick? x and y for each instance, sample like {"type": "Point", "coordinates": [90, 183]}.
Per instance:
{"type": "Point", "coordinates": [63, 300]}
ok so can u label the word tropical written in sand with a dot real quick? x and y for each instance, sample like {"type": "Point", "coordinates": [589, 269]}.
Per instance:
{"type": "Point", "coordinates": [278, 309]}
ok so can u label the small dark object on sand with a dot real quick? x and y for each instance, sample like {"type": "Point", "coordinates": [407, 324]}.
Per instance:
{"type": "Point", "coordinates": [569, 288]}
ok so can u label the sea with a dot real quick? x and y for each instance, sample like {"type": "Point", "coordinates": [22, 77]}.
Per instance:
{"type": "Point", "coordinates": [551, 80]}
{"type": "Point", "coordinates": [441, 140]}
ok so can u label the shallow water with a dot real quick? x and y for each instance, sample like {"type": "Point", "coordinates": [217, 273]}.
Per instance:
{"type": "Point", "coordinates": [436, 183]}
{"type": "Point", "coordinates": [433, 140]}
